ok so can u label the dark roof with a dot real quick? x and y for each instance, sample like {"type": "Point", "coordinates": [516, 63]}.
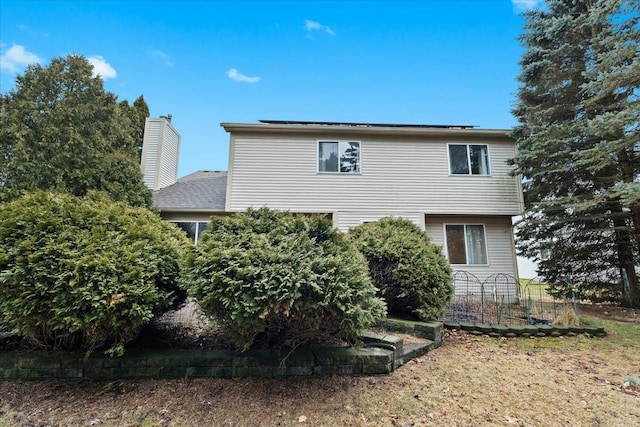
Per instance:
{"type": "Point", "coordinates": [385, 125]}
{"type": "Point", "coordinates": [200, 190]}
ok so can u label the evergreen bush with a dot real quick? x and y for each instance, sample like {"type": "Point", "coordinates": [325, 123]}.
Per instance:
{"type": "Point", "coordinates": [411, 273]}
{"type": "Point", "coordinates": [76, 273]}
{"type": "Point", "coordinates": [272, 278]}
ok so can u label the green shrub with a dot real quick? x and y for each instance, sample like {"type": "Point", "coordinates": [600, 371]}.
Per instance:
{"type": "Point", "coordinates": [411, 273]}
{"type": "Point", "coordinates": [273, 278]}
{"type": "Point", "coordinates": [76, 273]}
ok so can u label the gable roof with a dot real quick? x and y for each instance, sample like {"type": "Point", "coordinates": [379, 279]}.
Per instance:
{"type": "Point", "coordinates": [201, 190]}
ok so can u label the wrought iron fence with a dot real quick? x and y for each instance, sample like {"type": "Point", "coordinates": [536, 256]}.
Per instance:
{"type": "Point", "coordinates": [502, 299]}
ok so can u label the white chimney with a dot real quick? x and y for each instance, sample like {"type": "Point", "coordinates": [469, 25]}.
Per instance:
{"type": "Point", "coordinates": [160, 151]}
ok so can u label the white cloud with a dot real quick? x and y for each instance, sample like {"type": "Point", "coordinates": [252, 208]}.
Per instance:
{"type": "Point", "coordinates": [163, 57]}
{"type": "Point", "coordinates": [522, 5]}
{"type": "Point", "coordinates": [16, 57]}
{"type": "Point", "coordinates": [239, 77]}
{"type": "Point", "coordinates": [311, 26]}
{"type": "Point", "coordinates": [101, 67]}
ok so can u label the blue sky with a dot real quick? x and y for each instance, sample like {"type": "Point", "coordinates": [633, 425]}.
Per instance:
{"type": "Point", "coordinates": [207, 62]}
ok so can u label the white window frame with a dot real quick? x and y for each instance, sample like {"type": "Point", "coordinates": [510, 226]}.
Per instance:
{"type": "Point", "coordinates": [468, 159]}
{"type": "Point", "coordinates": [339, 142]}
{"type": "Point", "coordinates": [466, 248]}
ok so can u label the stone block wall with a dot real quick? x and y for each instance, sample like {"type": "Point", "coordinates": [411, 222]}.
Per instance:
{"type": "Point", "coordinates": [377, 354]}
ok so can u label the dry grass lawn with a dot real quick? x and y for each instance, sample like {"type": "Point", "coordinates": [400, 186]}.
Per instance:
{"type": "Point", "coordinates": [470, 381]}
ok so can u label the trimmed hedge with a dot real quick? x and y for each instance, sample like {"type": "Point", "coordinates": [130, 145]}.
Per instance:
{"type": "Point", "coordinates": [411, 273]}
{"type": "Point", "coordinates": [276, 279]}
{"type": "Point", "coordinates": [76, 273]}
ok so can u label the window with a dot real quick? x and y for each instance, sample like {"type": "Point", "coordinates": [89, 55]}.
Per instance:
{"type": "Point", "coordinates": [468, 159]}
{"type": "Point", "coordinates": [339, 156]}
{"type": "Point", "coordinates": [466, 244]}
{"type": "Point", "coordinates": [192, 229]}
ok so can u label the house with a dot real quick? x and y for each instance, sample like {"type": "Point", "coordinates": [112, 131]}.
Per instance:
{"type": "Point", "coordinates": [452, 181]}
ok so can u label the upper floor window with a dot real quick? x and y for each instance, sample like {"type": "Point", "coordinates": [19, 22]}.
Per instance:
{"type": "Point", "coordinates": [469, 159]}
{"type": "Point", "coordinates": [339, 156]}
{"type": "Point", "coordinates": [466, 244]}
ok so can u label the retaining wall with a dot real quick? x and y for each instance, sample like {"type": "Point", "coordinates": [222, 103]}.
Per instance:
{"type": "Point", "coordinates": [525, 330]}
{"type": "Point", "coordinates": [378, 353]}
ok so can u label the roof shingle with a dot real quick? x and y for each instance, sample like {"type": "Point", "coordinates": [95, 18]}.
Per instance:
{"type": "Point", "coordinates": [199, 190]}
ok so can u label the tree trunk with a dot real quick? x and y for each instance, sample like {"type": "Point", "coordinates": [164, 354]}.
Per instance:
{"type": "Point", "coordinates": [626, 167]}
{"type": "Point", "coordinates": [624, 246]}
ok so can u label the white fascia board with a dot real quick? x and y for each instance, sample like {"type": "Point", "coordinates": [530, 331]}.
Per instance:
{"type": "Point", "coordinates": [262, 128]}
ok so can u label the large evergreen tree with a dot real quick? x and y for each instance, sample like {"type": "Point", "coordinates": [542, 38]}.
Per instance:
{"type": "Point", "coordinates": [137, 115]}
{"type": "Point", "coordinates": [578, 145]}
{"type": "Point", "coordinates": [61, 131]}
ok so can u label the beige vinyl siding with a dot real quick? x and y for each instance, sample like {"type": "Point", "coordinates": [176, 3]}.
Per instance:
{"type": "Point", "coordinates": [160, 151]}
{"type": "Point", "coordinates": [175, 216]}
{"type": "Point", "coordinates": [396, 176]}
{"type": "Point", "coordinates": [344, 220]}
{"type": "Point", "coordinates": [168, 172]}
{"type": "Point", "coordinates": [499, 243]}
{"type": "Point", "coordinates": [150, 153]}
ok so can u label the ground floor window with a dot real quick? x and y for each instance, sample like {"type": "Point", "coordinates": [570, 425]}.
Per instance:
{"type": "Point", "coordinates": [193, 229]}
{"type": "Point", "coordinates": [466, 243]}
